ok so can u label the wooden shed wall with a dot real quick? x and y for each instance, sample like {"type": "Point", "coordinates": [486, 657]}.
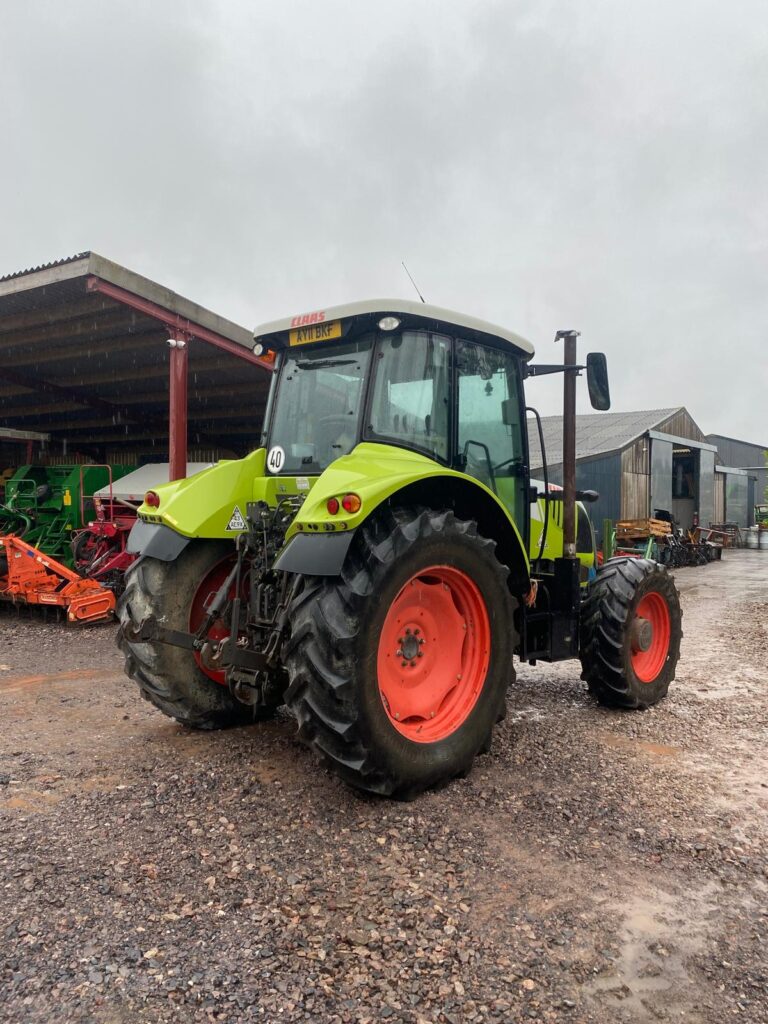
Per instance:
{"type": "Point", "coordinates": [719, 516]}
{"type": "Point", "coordinates": [680, 424]}
{"type": "Point", "coordinates": [635, 479]}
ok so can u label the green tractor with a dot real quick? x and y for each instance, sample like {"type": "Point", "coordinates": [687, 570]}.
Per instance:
{"type": "Point", "coordinates": [380, 560]}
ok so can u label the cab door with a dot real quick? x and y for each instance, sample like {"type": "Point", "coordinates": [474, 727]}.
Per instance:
{"type": "Point", "coordinates": [491, 430]}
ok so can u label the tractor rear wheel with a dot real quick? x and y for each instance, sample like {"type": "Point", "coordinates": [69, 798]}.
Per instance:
{"type": "Point", "coordinates": [173, 679]}
{"type": "Point", "coordinates": [630, 633]}
{"type": "Point", "coordinates": [399, 667]}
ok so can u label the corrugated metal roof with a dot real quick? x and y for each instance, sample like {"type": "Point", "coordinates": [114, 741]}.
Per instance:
{"type": "Point", "coordinates": [87, 367]}
{"type": "Point", "coordinates": [64, 279]}
{"type": "Point", "coordinates": [46, 266]}
{"type": "Point", "coordinates": [596, 433]}
{"type": "Point", "coordinates": [714, 438]}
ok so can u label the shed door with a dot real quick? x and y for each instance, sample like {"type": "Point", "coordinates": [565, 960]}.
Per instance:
{"type": "Point", "coordinates": [706, 487]}
{"type": "Point", "coordinates": [661, 475]}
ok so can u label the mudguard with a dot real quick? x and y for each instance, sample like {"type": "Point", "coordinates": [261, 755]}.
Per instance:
{"type": "Point", "coordinates": [153, 540]}
{"type": "Point", "coordinates": [321, 555]}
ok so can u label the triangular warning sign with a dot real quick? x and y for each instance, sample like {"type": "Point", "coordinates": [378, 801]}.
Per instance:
{"type": "Point", "coordinates": [236, 521]}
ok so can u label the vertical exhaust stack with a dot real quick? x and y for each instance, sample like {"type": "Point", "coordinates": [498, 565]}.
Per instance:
{"type": "Point", "coordinates": [571, 370]}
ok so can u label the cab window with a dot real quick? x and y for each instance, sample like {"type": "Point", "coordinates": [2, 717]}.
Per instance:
{"type": "Point", "coordinates": [411, 392]}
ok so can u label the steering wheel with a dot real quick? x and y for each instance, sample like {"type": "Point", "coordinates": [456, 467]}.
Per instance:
{"type": "Point", "coordinates": [341, 421]}
{"type": "Point", "coordinates": [330, 429]}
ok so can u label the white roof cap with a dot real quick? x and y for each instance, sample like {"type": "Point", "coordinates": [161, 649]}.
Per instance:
{"type": "Point", "coordinates": [393, 307]}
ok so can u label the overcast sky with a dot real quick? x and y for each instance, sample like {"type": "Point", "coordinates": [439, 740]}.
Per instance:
{"type": "Point", "coordinates": [599, 165]}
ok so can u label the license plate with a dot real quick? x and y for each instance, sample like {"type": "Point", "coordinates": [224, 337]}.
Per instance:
{"type": "Point", "coordinates": [315, 332]}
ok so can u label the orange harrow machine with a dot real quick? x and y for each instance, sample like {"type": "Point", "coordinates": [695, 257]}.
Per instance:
{"type": "Point", "coordinates": [30, 577]}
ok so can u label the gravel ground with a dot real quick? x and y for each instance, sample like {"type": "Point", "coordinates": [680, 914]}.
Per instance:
{"type": "Point", "coordinates": [596, 866]}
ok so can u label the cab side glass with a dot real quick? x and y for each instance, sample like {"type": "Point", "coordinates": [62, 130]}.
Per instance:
{"type": "Point", "coordinates": [411, 392]}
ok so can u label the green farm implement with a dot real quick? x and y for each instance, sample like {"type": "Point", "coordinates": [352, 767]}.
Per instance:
{"type": "Point", "coordinates": [45, 504]}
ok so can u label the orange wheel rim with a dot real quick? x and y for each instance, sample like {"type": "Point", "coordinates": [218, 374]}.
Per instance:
{"type": "Point", "coordinates": [650, 634]}
{"type": "Point", "coordinates": [198, 610]}
{"type": "Point", "coordinates": [433, 655]}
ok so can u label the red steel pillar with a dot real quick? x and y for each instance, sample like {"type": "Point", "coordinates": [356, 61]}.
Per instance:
{"type": "Point", "coordinates": [178, 343]}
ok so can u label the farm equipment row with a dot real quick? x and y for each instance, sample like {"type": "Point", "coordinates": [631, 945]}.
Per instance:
{"type": "Point", "coordinates": [662, 540]}
{"type": "Point", "coordinates": [64, 533]}
{"type": "Point", "coordinates": [48, 505]}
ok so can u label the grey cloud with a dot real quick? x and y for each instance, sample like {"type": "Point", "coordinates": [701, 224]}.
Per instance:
{"type": "Point", "coordinates": [541, 164]}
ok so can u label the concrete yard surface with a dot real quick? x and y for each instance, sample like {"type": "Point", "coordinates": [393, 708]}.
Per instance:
{"type": "Point", "coordinates": [596, 866]}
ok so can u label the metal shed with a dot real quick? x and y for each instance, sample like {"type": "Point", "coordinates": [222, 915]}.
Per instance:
{"type": "Point", "coordinates": [114, 367]}
{"type": "Point", "coordinates": [637, 461]}
{"type": "Point", "coordinates": [750, 458]}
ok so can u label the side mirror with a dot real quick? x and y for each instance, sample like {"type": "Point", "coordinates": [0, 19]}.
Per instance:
{"type": "Point", "coordinates": [597, 381]}
{"type": "Point", "coordinates": [587, 496]}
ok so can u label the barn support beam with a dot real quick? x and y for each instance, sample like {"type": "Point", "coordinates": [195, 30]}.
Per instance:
{"type": "Point", "coordinates": [178, 343]}
{"type": "Point", "coordinates": [174, 321]}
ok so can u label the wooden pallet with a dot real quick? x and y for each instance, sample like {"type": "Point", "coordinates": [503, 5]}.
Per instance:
{"type": "Point", "coordinates": [640, 528]}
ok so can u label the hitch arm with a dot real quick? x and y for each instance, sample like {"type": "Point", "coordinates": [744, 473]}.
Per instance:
{"type": "Point", "coordinates": [149, 629]}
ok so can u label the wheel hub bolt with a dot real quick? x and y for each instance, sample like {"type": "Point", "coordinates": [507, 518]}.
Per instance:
{"type": "Point", "coordinates": [642, 635]}
{"type": "Point", "coordinates": [409, 647]}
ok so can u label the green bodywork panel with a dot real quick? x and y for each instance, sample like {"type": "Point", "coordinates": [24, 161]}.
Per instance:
{"type": "Point", "coordinates": [553, 547]}
{"type": "Point", "coordinates": [206, 504]}
{"type": "Point", "coordinates": [203, 505]}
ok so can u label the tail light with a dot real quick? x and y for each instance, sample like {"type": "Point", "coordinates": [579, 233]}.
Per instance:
{"type": "Point", "coordinates": [351, 503]}
{"type": "Point", "coordinates": [152, 498]}
{"type": "Point", "coordinates": [332, 505]}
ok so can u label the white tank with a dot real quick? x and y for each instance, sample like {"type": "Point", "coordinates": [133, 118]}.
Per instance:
{"type": "Point", "coordinates": [763, 540]}
{"type": "Point", "coordinates": [751, 537]}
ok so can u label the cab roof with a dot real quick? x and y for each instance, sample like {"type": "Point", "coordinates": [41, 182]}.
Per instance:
{"type": "Point", "coordinates": [410, 312]}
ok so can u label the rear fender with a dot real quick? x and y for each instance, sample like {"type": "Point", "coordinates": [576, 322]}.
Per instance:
{"type": "Point", "coordinates": [379, 473]}
{"type": "Point", "coordinates": [204, 505]}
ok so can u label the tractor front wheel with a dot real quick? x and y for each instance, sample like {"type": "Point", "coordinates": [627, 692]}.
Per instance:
{"type": "Point", "coordinates": [173, 679]}
{"type": "Point", "coordinates": [399, 668]}
{"type": "Point", "coordinates": [631, 627]}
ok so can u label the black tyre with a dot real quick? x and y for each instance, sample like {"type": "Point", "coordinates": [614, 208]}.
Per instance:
{"type": "Point", "coordinates": [169, 677]}
{"type": "Point", "coordinates": [630, 633]}
{"type": "Point", "coordinates": [399, 667]}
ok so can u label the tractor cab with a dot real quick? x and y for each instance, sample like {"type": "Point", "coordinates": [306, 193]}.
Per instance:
{"type": "Point", "coordinates": [405, 375]}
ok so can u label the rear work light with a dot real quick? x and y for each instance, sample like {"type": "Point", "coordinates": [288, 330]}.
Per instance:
{"type": "Point", "coordinates": [332, 505]}
{"type": "Point", "coordinates": [152, 498]}
{"type": "Point", "coordinates": [351, 503]}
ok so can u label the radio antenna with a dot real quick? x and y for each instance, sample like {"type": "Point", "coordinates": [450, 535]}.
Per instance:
{"type": "Point", "coordinates": [412, 281]}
